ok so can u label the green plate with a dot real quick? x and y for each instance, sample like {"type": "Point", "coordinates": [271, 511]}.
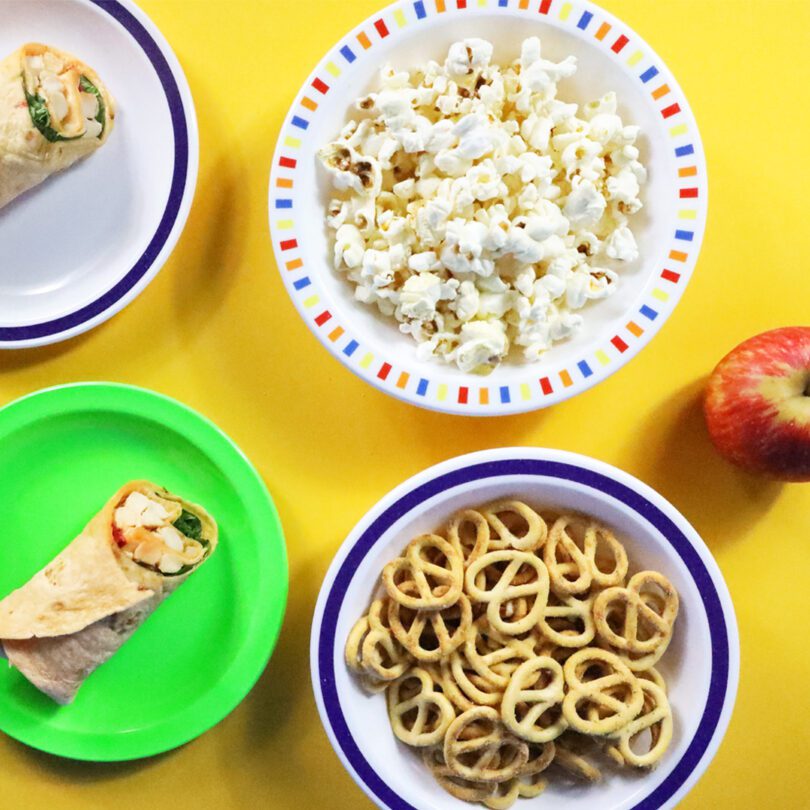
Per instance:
{"type": "Point", "coordinates": [63, 452]}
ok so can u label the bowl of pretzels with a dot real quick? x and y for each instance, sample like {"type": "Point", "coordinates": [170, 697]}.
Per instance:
{"type": "Point", "coordinates": [524, 627]}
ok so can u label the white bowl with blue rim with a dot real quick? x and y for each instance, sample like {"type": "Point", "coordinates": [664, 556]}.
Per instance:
{"type": "Point", "coordinates": [81, 246]}
{"type": "Point", "coordinates": [670, 229]}
{"type": "Point", "coordinates": [701, 666]}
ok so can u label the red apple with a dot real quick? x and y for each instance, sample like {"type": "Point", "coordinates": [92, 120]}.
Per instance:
{"type": "Point", "coordinates": [758, 404]}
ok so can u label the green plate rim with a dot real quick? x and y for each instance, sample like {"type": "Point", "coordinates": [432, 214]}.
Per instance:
{"type": "Point", "coordinates": [273, 572]}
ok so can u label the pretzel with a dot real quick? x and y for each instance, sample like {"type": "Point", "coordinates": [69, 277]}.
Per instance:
{"type": "Point", "coordinates": [465, 687]}
{"type": "Point", "coordinates": [419, 715]}
{"type": "Point", "coordinates": [494, 656]}
{"type": "Point", "coordinates": [634, 621]}
{"type": "Point", "coordinates": [540, 757]}
{"type": "Point", "coordinates": [546, 647]}
{"type": "Point", "coordinates": [477, 747]}
{"type": "Point", "coordinates": [652, 674]}
{"type": "Point", "coordinates": [378, 614]}
{"type": "Point", "coordinates": [354, 644]}
{"type": "Point", "coordinates": [568, 621]}
{"type": "Point", "coordinates": [534, 691]}
{"type": "Point", "coordinates": [656, 715]}
{"type": "Point", "coordinates": [372, 685]}
{"type": "Point", "coordinates": [434, 566]}
{"type": "Point", "coordinates": [468, 533]}
{"type": "Point", "coordinates": [354, 657]}
{"type": "Point", "coordinates": [382, 657]}
{"type": "Point", "coordinates": [505, 795]}
{"type": "Point", "coordinates": [515, 525]}
{"type": "Point", "coordinates": [509, 647]}
{"type": "Point", "coordinates": [575, 763]}
{"type": "Point", "coordinates": [572, 556]}
{"type": "Point", "coordinates": [504, 590]}
{"type": "Point", "coordinates": [532, 785]}
{"type": "Point", "coordinates": [456, 786]}
{"type": "Point", "coordinates": [615, 692]}
{"type": "Point", "coordinates": [425, 634]}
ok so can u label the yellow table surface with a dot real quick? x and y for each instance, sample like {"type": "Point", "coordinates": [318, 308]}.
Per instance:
{"type": "Point", "coordinates": [329, 446]}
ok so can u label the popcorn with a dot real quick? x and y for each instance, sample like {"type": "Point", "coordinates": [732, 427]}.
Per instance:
{"type": "Point", "coordinates": [478, 209]}
{"type": "Point", "coordinates": [621, 245]}
{"type": "Point", "coordinates": [482, 347]}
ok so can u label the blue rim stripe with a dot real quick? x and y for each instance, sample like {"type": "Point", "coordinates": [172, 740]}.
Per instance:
{"type": "Point", "coordinates": [173, 205]}
{"type": "Point", "coordinates": [720, 664]}
{"type": "Point", "coordinates": [649, 74]}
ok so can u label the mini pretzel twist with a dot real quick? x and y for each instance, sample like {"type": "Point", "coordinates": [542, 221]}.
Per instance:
{"type": "Point", "coordinates": [354, 645]}
{"type": "Point", "coordinates": [382, 657]}
{"type": "Point", "coordinates": [465, 687]}
{"type": "Point", "coordinates": [477, 747]}
{"type": "Point", "coordinates": [656, 715]}
{"type": "Point", "coordinates": [515, 525]}
{"type": "Point", "coordinates": [532, 785]}
{"type": "Point", "coordinates": [652, 674]}
{"type": "Point", "coordinates": [643, 613]}
{"type": "Point", "coordinates": [575, 763]}
{"type": "Point", "coordinates": [613, 678]}
{"type": "Point", "coordinates": [540, 757]}
{"type": "Point", "coordinates": [494, 656]}
{"type": "Point", "coordinates": [574, 567]}
{"type": "Point", "coordinates": [428, 635]}
{"type": "Point", "coordinates": [536, 687]}
{"type": "Point", "coordinates": [504, 590]}
{"type": "Point", "coordinates": [438, 584]}
{"type": "Point", "coordinates": [468, 533]}
{"type": "Point", "coordinates": [504, 796]}
{"type": "Point", "coordinates": [456, 786]}
{"type": "Point", "coordinates": [577, 617]}
{"type": "Point", "coordinates": [419, 715]}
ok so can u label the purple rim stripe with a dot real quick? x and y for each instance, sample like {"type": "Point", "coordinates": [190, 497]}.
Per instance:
{"type": "Point", "coordinates": [718, 683]}
{"type": "Point", "coordinates": [176, 192]}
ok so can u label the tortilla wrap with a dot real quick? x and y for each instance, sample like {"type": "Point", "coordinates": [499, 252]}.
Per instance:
{"type": "Point", "coordinates": [72, 616]}
{"type": "Point", "coordinates": [36, 141]}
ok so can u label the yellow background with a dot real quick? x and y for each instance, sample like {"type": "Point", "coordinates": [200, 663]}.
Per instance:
{"type": "Point", "coordinates": [216, 330]}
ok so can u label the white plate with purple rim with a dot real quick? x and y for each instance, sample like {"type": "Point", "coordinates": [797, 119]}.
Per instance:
{"type": "Point", "coordinates": [82, 245]}
{"type": "Point", "coordinates": [670, 229]}
{"type": "Point", "coordinates": [701, 666]}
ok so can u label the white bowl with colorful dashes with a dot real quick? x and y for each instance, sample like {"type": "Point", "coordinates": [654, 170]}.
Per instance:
{"type": "Point", "coordinates": [669, 229]}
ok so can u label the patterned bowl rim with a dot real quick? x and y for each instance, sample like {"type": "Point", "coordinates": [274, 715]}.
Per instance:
{"type": "Point", "coordinates": [427, 384]}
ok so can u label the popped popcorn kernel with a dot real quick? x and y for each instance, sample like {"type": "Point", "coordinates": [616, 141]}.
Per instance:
{"type": "Point", "coordinates": [478, 209]}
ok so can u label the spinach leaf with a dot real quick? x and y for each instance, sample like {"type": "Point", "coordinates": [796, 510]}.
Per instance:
{"type": "Point", "coordinates": [191, 526]}
{"type": "Point", "coordinates": [41, 118]}
{"type": "Point", "coordinates": [101, 116]}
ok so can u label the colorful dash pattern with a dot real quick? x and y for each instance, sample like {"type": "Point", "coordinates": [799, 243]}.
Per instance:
{"type": "Point", "coordinates": [584, 20]}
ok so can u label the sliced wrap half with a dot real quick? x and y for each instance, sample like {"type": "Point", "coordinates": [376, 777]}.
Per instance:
{"type": "Point", "coordinates": [54, 110]}
{"type": "Point", "coordinates": [72, 616]}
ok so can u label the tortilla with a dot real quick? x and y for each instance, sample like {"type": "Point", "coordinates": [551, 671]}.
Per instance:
{"type": "Point", "coordinates": [34, 142]}
{"type": "Point", "coordinates": [74, 614]}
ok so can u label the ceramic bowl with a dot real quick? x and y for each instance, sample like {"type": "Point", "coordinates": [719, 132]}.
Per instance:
{"type": "Point", "coordinates": [701, 666]}
{"type": "Point", "coordinates": [669, 229]}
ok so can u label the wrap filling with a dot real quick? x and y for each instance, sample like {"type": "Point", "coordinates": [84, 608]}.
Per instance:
{"type": "Point", "coordinates": [64, 104]}
{"type": "Point", "coordinates": [159, 534]}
